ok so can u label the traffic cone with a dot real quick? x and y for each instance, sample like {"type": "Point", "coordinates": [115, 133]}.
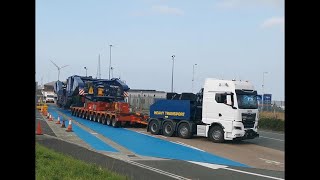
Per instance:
{"type": "Point", "coordinates": [58, 122]}
{"type": "Point", "coordinates": [39, 130]}
{"type": "Point", "coordinates": [62, 124]}
{"type": "Point", "coordinates": [50, 118]}
{"type": "Point", "coordinates": [69, 127]}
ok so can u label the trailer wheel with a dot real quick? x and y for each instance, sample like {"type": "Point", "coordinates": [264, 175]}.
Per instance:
{"type": "Point", "coordinates": [115, 123]}
{"type": "Point", "coordinates": [155, 127]}
{"type": "Point", "coordinates": [88, 116]}
{"type": "Point", "coordinates": [168, 129]}
{"type": "Point", "coordinates": [108, 121]}
{"type": "Point", "coordinates": [216, 134]}
{"type": "Point", "coordinates": [184, 131]}
{"type": "Point", "coordinates": [77, 113]}
{"type": "Point", "coordinates": [72, 112]}
{"type": "Point", "coordinates": [98, 118]}
{"type": "Point", "coordinates": [94, 118]}
{"type": "Point", "coordinates": [84, 114]}
{"type": "Point", "coordinates": [103, 119]}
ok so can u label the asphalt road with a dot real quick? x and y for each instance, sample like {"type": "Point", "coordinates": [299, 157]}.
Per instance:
{"type": "Point", "coordinates": [274, 140]}
{"type": "Point", "coordinates": [265, 156]}
{"type": "Point", "coordinates": [157, 169]}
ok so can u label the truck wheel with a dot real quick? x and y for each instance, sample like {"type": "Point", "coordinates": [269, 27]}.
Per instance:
{"type": "Point", "coordinates": [115, 123]}
{"type": "Point", "coordinates": [184, 131]}
{"type": "Point", "coordinates": [98, 118]}
{"type": "Point", "coordinates": [216, 134]}
{"type": "Point", "coordinates": [88, 116]}
{"type": "Point", "coordinates": [91, 117]}
{"type": "Point", "coordinates": [103, 120]}
{"type": "Point", "coordinates": [155, 127]}
{"type": "Point", "coordinates": [84, 114]}
{"type": "Point", "coordinates": [168, 129]}
{"type": "Point", "coordinates": [108, 121]}
{"type": "Point", "coordinates": [94, 117]}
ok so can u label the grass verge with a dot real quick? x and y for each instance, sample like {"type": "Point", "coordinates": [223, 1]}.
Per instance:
{"type": "Point", "coordinates": [271, 124]}
{"type": "Point", "coordinates": [54, 165]}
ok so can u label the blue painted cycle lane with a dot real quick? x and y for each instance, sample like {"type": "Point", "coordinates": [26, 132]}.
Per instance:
{"type": "Point", "coordinates": [150, 146]}
{"type": "Point", "coordinates": [90, 139]}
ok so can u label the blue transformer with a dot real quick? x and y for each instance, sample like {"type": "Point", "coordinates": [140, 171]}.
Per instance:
{"type": "Point", "coordinates": [171, 109]}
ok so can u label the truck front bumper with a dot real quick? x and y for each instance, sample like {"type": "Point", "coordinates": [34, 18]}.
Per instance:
{"type": "Point", "coordinates": [249, 134]}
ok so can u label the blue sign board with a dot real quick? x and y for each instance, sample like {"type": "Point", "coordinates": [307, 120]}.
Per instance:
{"type": "Point", "coordinates": [267, 99]}
{"type": "Point", "coordinates": [259, 99]}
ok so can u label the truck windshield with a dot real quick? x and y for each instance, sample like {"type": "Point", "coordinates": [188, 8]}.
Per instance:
{"type": "Point", "coordinates": [50, 96]}
{"type": "Point", "coordinates": [247, 99]}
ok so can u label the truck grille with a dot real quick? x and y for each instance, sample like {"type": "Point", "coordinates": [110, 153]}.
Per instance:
{"type": "Point", "coordinates": [248, 119]}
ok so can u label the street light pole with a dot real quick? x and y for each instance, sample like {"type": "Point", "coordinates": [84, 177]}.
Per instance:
{"type": "Point", "coordinates": [110, 61]}
{"type": "Point", "coordinates": [193, 76]}
{"type": "Point", "coordinates": [172, 72]}
{"type": "Point", "coordinates": [263, 88]}
{"type": "Point", "coordinates": [86, 70]}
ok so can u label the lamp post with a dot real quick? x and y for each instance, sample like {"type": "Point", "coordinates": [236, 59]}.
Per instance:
{"type": "Point", "coordinates": [110, 61]}
{"type": "Point", "coordinates": [112, 68]}
{"type": "Point", "coordinates": [86, 70]}
{"type": "Point", "coordinates": [172, 72]}
{"type": "Point", "coordinates": [263, 88]}
{"type": "Point", "coordinates": [193, 76]}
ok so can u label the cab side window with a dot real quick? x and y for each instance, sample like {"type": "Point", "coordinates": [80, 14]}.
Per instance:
{"type": "Point", "coordinates": [221, 98]}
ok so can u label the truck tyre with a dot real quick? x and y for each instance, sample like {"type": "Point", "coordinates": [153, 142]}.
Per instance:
{"type": "Point", "coordinates": [103, 119]}
{"type": "Point", "coordinates": [115, 123]}
{"type": "Point", "coordinates": [168, 129]}
{"type": "Point", "coordinates": [94, 117]}
{"type": "Point", "coordinates": [84, 114]}
{"type": "Point", "coordinates": [108, 119]}
{"type": "Point", "coordinates": [216, 134]}
{"type": "Point", "coordinates": [98, 118]}
{"type": "Point", "coordinates": [88, 116]}
{"type": "Point", "coordinates": [184, 131]}
{"type": "Point", "coordinates": [91, 117]}
{"type": "Point", "coordinates": [155, 127]}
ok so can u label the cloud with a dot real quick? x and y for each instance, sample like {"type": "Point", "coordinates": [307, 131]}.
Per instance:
{"type": "Point", "coordinates": [274, 21]}
{"type": "Point", "coordinates": [162, 9]}
{"type": "Point", "coordinates": [229, 4]}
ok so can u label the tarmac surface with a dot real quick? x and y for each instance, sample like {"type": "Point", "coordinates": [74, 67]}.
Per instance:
{"type": "Point", "coordinates": [91, 146]}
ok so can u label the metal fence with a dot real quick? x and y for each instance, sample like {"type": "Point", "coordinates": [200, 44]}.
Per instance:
{"type": "Point", "coordinates": [141, 104]}
{"type": "Point", "coordinates": [278, 106]}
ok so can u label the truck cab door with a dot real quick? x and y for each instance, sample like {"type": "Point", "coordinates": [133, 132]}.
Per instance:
{"type": "Point", "coordinates": [218, 109]}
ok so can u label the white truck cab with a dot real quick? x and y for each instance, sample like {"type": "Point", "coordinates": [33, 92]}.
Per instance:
{"type": "Point", "coordinates": [49, 96]}
{"type": "Point", "coordinates": [229, 110]}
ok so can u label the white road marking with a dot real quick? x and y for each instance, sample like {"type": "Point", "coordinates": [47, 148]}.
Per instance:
{"type": "Point", "coordinates": [94, 133]}
{"type": "Point", "coordinates": [271, 162]}
{"type": "Point", "coordinates": [212, 166]}
{"type": "Point", "coordinates": [183, 144]}
{"type": "Point", "coordinates": [157, 170]}
{"type": "Point", "coordinates": [141, 132]}
{"type": "Point", "coordinates": [217, 166]}
{"type": "Point", "coordinates": [271, 138]}
{"type": "Point", "coordinates": [271, 132]}
{"type": "Point", "coordinates": [255, 174]}
{"type": "Point", "coordinates": [163, 136]}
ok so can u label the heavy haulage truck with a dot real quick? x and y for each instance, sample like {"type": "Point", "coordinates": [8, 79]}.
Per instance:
{"type": "Point", "coordinates": [222, 110]}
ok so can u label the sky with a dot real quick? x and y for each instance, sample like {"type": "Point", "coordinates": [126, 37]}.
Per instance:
{"type": "Point", "coordinates": [226, 39]}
